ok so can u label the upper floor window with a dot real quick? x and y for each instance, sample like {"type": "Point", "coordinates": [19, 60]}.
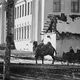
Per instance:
{"type": "Point", "coordinates": [28, 7]}
{"type": "Point", "coordinates": [56, 5]}
{"type": "Point", "coordinates": [22, 10]}
{"type": "Point", "coordinates": [31, 7]}
{"type": "Point", "coordinates": [25, 8]}
{"type": "Point", "coordinates": [17, 12]}
{"type": "Point", "coordinates": [74, 5]}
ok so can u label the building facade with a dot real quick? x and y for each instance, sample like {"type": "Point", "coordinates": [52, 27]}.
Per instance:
{"type": "Point", "coordinates": [23, 24]}
{"type": "Point", "coordinates": [30, 17]}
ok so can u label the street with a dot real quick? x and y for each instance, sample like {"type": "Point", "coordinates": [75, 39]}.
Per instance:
{"type": "Point", "coordinates": [28, 71]}
{"type": "Point", "coordinates": [24, 67]}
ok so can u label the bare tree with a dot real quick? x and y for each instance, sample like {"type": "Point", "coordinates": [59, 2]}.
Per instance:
{"type": "Point", "coordinates": [9, 25]}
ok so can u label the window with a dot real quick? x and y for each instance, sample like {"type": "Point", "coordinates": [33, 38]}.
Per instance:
{"type": "Point", "coordinates": [28, 32]}
{"type": "Point", "coordinates": [28, 7]}
{"type": "Point", "coordinates": [22, 32]}
{"type": "Point", "coordinates": [19, 33]}
{"type": "Point", "coordinates": [22, 10]}
{"type": "Point", "coordinates": [25, 8]}
{"type": "Point", "coordinates": [56, 5]}
{"type": "Point", "coordinates": [74, 5]}
{"type": "Point", "coordinates": [17, 12]}
{"type": "Point", "coordinates": [25, 32]}
{"type": "Point", "coordinates": [31, 7]}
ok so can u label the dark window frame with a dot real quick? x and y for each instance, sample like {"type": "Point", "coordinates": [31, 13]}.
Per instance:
{"type": "Point", "coordinates": [74, 5]}
{"type": "Point", "coordinates": [56, 6]}
{"type": "Point", "coordinates": [28, 7]}
{"type": "Point", "coordinates": [18, 12]}
{"type": "Point", "coordinates": [22, 10]}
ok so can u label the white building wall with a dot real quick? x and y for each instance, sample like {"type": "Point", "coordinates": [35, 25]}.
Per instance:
{"type": "Point", "coordinates": [48, 9]}
{"type": "Point", "coordinates": [35, 20]}
{"type": "Point", "coordinates": [3, 24]}
{"type": "Point", "coordinates": [0, 22]}
{"type": "Point", "coordinates": [41, 9]}
{"type": "Point", "coordinates": [23, 42]}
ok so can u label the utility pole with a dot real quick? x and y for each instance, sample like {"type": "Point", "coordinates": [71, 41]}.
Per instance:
{"type": "Point", "coordinates": [9, 25]}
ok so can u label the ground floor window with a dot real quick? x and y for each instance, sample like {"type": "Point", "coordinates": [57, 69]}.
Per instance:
{"type": "Point", "coordinates": [25, 32]}
{"type": "Point", "coordinates": [22, 33]}
{"type": "Point", "coordinates": [28, 32]}
{"type": "Point", "coordinates": [19, 33]}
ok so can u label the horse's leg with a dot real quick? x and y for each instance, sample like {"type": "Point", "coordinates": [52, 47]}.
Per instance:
{"type": "Point", "coordinates": [53, 59]}
{"type": "Point", "coordinates": [42, 60]}
{"type": "Point", "coordinates": [36, 59]}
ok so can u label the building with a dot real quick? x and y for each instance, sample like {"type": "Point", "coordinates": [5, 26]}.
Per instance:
{"type": "Point", "coordinates": [30, 17]}
{"type": "Point", "coordinates": [23, 24]}
{"type": "Point", "coordinates": [2, 22]}
{"type": "Point", "coordinates": [29, 22]}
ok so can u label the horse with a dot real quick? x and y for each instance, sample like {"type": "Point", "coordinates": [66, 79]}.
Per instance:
{"type": "Point", "coordinates": [69, 57]}
{"type": "Point", "coordinates": [43, 50]}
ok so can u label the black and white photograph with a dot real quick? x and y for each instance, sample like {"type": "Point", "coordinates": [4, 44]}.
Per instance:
{"type": "Point", "coordinates": [39, 39]}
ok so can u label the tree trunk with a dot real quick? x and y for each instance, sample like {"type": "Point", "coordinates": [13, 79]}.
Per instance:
{"type": "Point", "coordinates": [9, 25]}
{"type": "Point", "coordinates": [6, 69]}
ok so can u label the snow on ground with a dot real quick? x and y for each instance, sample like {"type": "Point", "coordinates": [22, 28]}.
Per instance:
{"type": "Point", "coordinates": [15, 53]}
{"type": "Point", "coordinates": [16, 60]}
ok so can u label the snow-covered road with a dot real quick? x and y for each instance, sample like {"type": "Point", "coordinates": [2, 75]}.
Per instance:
{"type": "Point", "coordinates": [17, 60]}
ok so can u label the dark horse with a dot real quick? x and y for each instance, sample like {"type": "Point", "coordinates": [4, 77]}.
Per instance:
{"type": "Point", "coordinates": [43, 50]}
